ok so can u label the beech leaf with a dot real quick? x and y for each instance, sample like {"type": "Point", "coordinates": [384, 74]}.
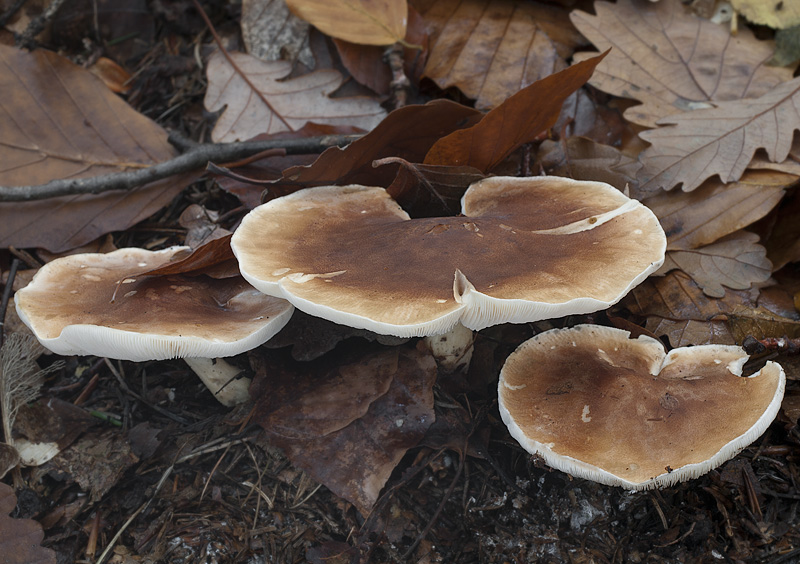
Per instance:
{"type": "Point", "coordinates": [60, 121]}
{"type": "Point", "coordinates": [366, 22]}
{"type": "Point", "coordinates": [515, 122]}
{"type": "Point", "coordinates": [20, 538]}
{"type": "Point", "coordinates": [258, 100]}
{"type": "Point", "coordinates": [672, 60]}
{"type": "Point", "coordinates": [736, 261]}
{"type": "Point", "coordinates": [720, 140]}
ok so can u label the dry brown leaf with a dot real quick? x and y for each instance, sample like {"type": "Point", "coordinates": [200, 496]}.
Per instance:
{"type": "Point", "coordinates": [407, 133]}
{"type": "Point", "coordinates": [368, 65]}
{"type": "Point", "coordinates": [492, 49]}
{"type": "Point", "coordinates": [583, 159]}
{"type": "Point", "coordinates": [271, 32]}
{"type": "Point", "coordinates": [366, 22]}
{"type": "Point", "coordinates": [516, 121]}
{"type": "Point", "coordinates": [258, 100]}
{"type": "Point", "coordinates": [694, 219]}
{"type": "Point", "coordinates": [736, 261]}
{"type": "Point", "coordinates": [675, 306]}
{"type": "Point", "coordinates": [671, 60]}
{"type": "Point", "coordinates": [761, 323]}
{"type": "Point", "coordinates": [783, 239]}
{"type": "Point", "coordinates": [60, 121]}
{"type": "Point", "coordinates": [721, 140]}
{"type": "Point", "coordinates": [353, 460]}
{"type": "Point", "coordinates": [20, 538]}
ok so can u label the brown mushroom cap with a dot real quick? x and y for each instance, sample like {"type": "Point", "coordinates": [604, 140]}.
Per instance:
{"type": "Point", "coordinates": [89, 304]}
{"type": "Point", "coordinates": [525, 249]}
{"type": "Point", "coordinates": [599, 405]}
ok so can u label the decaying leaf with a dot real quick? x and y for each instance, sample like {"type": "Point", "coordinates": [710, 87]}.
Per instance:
{"type": "Point", "coordinates": [783, 240]}
{"type": "Point", "coordinates": [516, 121]}
{"type": "Point", "coordinates": [367, 22]}
{"type": "Point", "coordinates": [407, 133]}
{"type": "Point", "coordinates": [736, 261]}
{"type": "Point", "coordinates": [20, 538]}
{"type": "Point", "coordinates": [257, 100]}
{"type": "Point", "coordinates": [584, 159]}
{"type": "Point", "coordinates": [671, 60]}
{"type": "Point", "coordinates": [271, 32]}
{"type": "Point", "coordinates": [60, 121]}
{"type": "Point", "coordinates": [675, 306]}
{"type": "Point", "coordinates": [694, 146]}
{"type": "Point", "coordinates": [697, 218]}
{"type": "Point", "coordinates": [492, 49]}
{"type": "Point", "coordinates": [354, 460]}
{"type": "Point", "coordinates": [761, 323]}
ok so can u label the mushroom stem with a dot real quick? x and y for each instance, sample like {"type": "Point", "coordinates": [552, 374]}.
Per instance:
{"type": "Point", "coordinates": [220, 378]}
{"type": "Point", "coordinates": [452, 350]}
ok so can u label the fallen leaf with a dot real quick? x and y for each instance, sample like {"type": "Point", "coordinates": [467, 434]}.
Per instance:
{"type": "Point", "coordinates": [9, 458]}
{"type": "Point", "coordinates": [271, 32]}
{"type": "Point", "coordinates": [76, 128]}
{"type": "Point", "coordinates": [356, 460]}
{"type": "Point", "coordinates": [736, 261]}
{"type": "Point", "coordinates": [257, 100]}
{"type": "Point", "coordinates": [215, 258]}
{"type": "Point", "coordinates": [721, 140]}
{"type": "Point", "coordinates": [492, 49]}
{"type": "Point", "coordinates": [20, 538]}
{"type": "Point", "coordinates": [584, 159]}
{"type": "Point", "coordinates": [761, 324]}
{"type": "Point", "coordinates": [96, 462]}
{"type": "Point", "coordinates": [675, 306]}
{"type": "Point", "coordinates": [697, 218]}
{"type": "Point", "coordinates": [516, 121]}
{"type": "Point", "coordinates": [783, 239]}
{"type": "Point", "coordinates": [777, 15]}
{"type": "Point", "coordinates": [671, 60]}
{"type": "Point", "coordinates": [368, 65]}
{"type": "Point", "coordinates": [368, 22]}
{"type": "Point", "coordinates": [407, 133]}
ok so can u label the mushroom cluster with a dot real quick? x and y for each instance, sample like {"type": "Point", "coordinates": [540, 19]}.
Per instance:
{"type": "Point", "coordinates": [523, 250]}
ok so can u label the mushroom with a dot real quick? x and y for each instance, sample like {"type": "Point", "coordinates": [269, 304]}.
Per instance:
{"type": "Point", "coordinates": [598, 405]}
{"type": "Point", "coordinates": [525, 249]}
{"type": "Point", "coordinates": [90, 304]}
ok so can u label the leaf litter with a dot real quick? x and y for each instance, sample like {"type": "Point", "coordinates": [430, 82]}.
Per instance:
{"type": "Point", "coordinates": [447, 483]}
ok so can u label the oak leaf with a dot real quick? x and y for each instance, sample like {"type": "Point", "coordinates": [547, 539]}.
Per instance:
{"type": "Point", "coordinates": [583, 159]}
{"type": "Point", "coordinates": [366, 22]}
{"type": "Point", "coordinates": [697, 218]}
{"type": "Point", "coordinates": [60, 121]}
{"type": "Point", "coordinates": [736, 261]}
{"type": "Point", "coordinates": [259, 101]}
{"type": "Point", "coordinates": [20, 538]}
{"type": "Point", "coordinates": [492, 49]}
{"type": "Point", "coordinates": [721, 140]}
{"type": "Point", "coordinates": [671, 60]}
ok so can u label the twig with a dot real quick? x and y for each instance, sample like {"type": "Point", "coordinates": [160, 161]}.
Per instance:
{"type": "Point", "coordinates": [195, 158]}
{"type": "Point", "coordinates": [8, 14]}
{"type": "Point", "coordinates": [28, 37]}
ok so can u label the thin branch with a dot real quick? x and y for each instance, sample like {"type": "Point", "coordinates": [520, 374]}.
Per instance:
{"type": "Point", "coordinates": [195, 159]}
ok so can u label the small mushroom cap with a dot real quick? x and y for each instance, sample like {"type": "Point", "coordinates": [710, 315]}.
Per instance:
{"type": "Point", "coordinates": [91, 304]}
{"type": "Point", "coordinates": [525, 249]}
{"type": "Point", "coordinates": [599, 405]}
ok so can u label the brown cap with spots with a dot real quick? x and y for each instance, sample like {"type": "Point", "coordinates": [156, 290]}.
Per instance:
{"type": "Point", "coordinates": [90, 304]}
{"type": "Point", "coordinates": [599, 405]}
{"type": "Point", "coordinates": [525, 249]}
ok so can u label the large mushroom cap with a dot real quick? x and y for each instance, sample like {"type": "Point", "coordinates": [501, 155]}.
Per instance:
{"type": "Point", "coordinates": [598, 405]}
{"type": "Point", "coordinates": [525, 249]}
{"type": "Point", "coordinates": [89, 304]}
